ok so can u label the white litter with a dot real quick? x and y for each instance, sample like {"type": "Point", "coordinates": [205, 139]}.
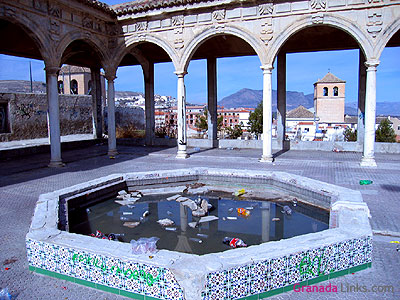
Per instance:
{"type": "Point", "coordinates": [208, 219]}
{"type": "Point", "coordinates": [174, 197]}
{"type": "Point", "coordinates": [189, 203]}
{"type": "Point", "coordinates": [165, 222]}
{"type": "Point", "coordinates": [131, 224]}
{"type": "Point", "coordinates": [170, 228]}
{"type": "Point", "coordinates": [231, 218]}
{"type": "Point", "coordinates": [198, 213]}
{"type": "Point", "coordinates": [192, 224]}
{"type": "Point", "coordinates": [127, 213]}
{"type": "Point", "coordinates": [181, 199]}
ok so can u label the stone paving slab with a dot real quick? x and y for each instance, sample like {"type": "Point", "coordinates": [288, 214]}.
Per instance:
{"type": "Point", "coordinates": [23, 180]}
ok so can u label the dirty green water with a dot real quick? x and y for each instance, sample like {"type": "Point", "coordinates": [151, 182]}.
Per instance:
{"type": "Point", "coordinates": [261, 226]}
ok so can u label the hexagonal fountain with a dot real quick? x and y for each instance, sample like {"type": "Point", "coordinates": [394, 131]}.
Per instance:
{"type": "Point", "coordinates": [268, 268]}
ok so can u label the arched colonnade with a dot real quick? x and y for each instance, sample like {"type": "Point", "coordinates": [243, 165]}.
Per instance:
{"type": "Point", "coordinates": [57, 52]}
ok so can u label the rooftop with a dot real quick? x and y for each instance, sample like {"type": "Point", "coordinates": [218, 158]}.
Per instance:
{"type": "Point", "coordinates": [330, 78]}
{"type": "Point", "coordinates": [300, 113]}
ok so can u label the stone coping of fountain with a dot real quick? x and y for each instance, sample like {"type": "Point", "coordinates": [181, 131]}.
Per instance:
{"type": "Point", "coordinates": [348, 220]}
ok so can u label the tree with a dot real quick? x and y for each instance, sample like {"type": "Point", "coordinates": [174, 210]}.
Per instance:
{"type": "Point", "coordinates": [202, 122]}
{"type": "Point", "coordinates": [256, 120]}
{"type": "Point", "coordinates": [350, 135]}
{"type": "Point", "coordinates": [235, 132]}
{"type": "Point", "coordinates": [385, 132]}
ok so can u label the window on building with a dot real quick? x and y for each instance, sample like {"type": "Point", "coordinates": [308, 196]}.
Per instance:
{"type": "Point", "coordinates": [335, 91]}
{"type": "Point", "coordinates": [398, 127]}
{"type": "Point", "coordinates": [74, 87]}
{"type": "Point", "coordinates": [89, 88]}
{"type": "Point", "coordinates": [60, 85]}
{"type": "Point", "coordinates": [325, 91]}
{"type": "Point", "coordinates": [4, 118]}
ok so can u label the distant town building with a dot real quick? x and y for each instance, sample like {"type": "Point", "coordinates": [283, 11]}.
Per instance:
{"type": "Point", "coordinates": [300, 122]}
{"type": "Point", "coordinates": [73, 80]}
{"type": "Point", "coordinates": [329, 96]}
{"type": "Point", "coordinates": [396, 126]}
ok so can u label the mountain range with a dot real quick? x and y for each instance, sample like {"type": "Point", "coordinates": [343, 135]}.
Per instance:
{"type": "Point", "coordinates": [249, 98]}
{"type": "Point", "coordinates": [243, 98]}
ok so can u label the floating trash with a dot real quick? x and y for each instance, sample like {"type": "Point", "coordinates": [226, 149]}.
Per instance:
{"type": "Point", "coordinates": [131, 224]}
{"type": "Point", "coordinates": [196, 240]}
{"type": "Point", "coordinates": [234, 242]}
{"type": "Point", "coordinates": [202, 235]}
{"type": "Point", "coordinates": [287, 210]}
{"type": "Point", "coordinates": [239, 192]}
{"type": "Point", "coordinates": [165, 222]}
{"type": "Point", "coordinates": [243, 212]}
{"type": "Point", "coordinates": [170, 228]}
{"type": "Point", "coordinates": [275, 219]}
{"type": "Point", "coordinates": [208, 219]}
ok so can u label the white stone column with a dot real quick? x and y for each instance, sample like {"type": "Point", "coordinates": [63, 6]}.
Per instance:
{"type": "Point", "coordinates": [281, 103]}
{"type": "Point", "coordinates": [212, 117]}
{"type": "Point", "coordinates": [368, 159]}
{"type": "Point", "coordinates": [112, 140]}
{"type": "Point", "coordinates": [149, 104]}
{"type": "Point", "coordinates": [267, 114]}
{"type": "Point", "coordinates": [181, 111]}
{"type": "Point", "coordinates": [361, 98]}
{"type": "Point", "coordinates": [53, 117]}
{"type": "Point", "coordinates": [97, 119]}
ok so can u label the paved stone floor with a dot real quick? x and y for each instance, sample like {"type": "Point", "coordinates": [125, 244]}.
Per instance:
{"type": "Point", "coordinates": [22, 180]}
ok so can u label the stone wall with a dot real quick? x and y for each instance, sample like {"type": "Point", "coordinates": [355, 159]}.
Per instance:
{"type": "Point", "coordinates": [27, 115]}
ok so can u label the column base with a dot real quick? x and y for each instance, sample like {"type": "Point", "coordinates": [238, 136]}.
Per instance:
{"type": "Point", "coordinates": [112, 152]}
{"type": "Point", "coordinates": [266, 159]}
{"type": "Point", "coordinates": [368, 162]}
{"type": "Point", "coordinates": [182, 155]}
{"type": "Point", "coordinates": [56, 164]}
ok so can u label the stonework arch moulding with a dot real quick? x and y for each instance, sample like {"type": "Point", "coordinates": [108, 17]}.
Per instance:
{"type": "Point", "coordinates": [387, 34]}
{"type": "Point", "coordinates": [38, 36]}
{"type": "Point", "coordinates": [131, 42]}
{"type": "Point", "coordinates": [253, 40]}
{"type": "Point", "coordinates": [359, 35]}
{"type": "Point", "coordinates": [73, 36]}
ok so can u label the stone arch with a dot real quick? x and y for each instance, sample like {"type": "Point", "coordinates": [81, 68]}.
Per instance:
{"type": "Point", "coordinates": [71, 37]}
{"type": "Point", "coordinates": [345, 25]}
{"type": "Point", "coordinates": [127, 46]}
{"type": "Point", "coordinates": [241, 33]}
{"type": "Point", "coordinates": [38, 35]}
{"type": "Point", "coordinates": [383, 40]}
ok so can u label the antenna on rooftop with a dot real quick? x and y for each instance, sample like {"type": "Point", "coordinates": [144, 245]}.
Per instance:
{"type": "Point", "coordinates": [329, 70]}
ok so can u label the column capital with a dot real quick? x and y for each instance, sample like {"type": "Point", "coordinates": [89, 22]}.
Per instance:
{"type": "Point", "coordinates": [180, 74]}
{"type": "Point", "coordinates": [372, 64]}
{"type": "Point", "coordinates": [267, 68]}
{"type": "Point", "coordinates": [110, 76]}
{"type": "Point", "coordinates": [52, 70]}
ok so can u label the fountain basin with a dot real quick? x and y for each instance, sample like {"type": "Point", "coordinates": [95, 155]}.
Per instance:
{"type": "Point", "coordinates": [257, 271]}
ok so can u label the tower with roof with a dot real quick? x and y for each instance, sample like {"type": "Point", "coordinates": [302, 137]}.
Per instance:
{"type": "Point", "coordinates": [329, 96]}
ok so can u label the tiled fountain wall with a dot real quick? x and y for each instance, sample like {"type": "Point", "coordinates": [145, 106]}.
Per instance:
{"type": "Point", "coordinates": [252, 273]}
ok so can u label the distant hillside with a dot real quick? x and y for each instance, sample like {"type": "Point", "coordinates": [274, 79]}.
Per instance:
{"type": "Point", "coordinates": [382, 108]}
{"type": "Point", "coordinates": [251, 98]}
{"type": "Point", "coordinates": [21, 86]}
{"type": "Point", "coordinates": [126, 94]}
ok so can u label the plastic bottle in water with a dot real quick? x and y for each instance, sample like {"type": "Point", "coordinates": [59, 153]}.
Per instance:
{"type": "Point", "coordinates": [365, 182]}
{"type": "Point", "coordinates": [234, 242]}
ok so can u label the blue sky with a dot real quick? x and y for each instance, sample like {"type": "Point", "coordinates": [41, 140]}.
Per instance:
{"type": "Point", "coordinates": [303, 69]}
